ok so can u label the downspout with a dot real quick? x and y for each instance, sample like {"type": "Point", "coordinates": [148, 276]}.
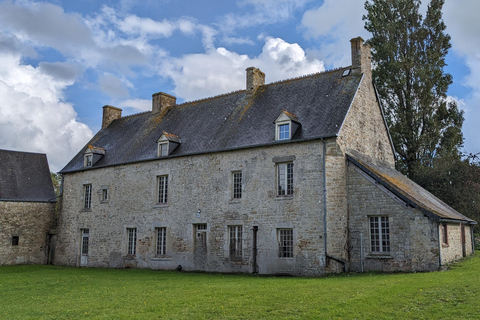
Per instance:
{"type": "Point", "coordinates": [325, 210]}
{"type": "Point", "coordinates": [439, 246]}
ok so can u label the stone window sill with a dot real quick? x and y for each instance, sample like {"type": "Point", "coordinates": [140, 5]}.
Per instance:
{"type": "Point", "coordinates": [160, 205]}
{"type": "Point", "coordinates": [280, 198]}
{"type": "Point", "coordinates": [160, 259]}
{"type": "Point", "coordinates": [86, 210]}
{"type": "Point", "coordinates": [379, 256]}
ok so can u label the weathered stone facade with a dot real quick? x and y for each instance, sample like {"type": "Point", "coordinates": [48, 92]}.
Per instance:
{"type": "Point", "coordinates": [31, 223]}
{"type": "Point", "coordinates": [118, 212]}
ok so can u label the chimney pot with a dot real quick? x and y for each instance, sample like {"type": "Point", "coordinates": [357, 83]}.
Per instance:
{"type": "Point", "coordinates": [255, 78]}
{"type": "Point", "coordinates": [162, 101]}
{"type": "Point", "coordinates": [110, 113]}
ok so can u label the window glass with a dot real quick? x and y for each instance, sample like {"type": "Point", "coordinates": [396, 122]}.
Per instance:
{"type": "Point", "coordinates": [379, 234]}
{"type": "Point", "coordinates": [235, 248]}
{"type": "Point", "coordinates": [162, 188]}
{"type": "Point", "coordinates": [285, 243]}
{"type": "Point", "coordinates": [285, 179]}
{"type": "Point", "coordinates": [237, 185]}
{"type": "Point", "coordinates": [284, 131]}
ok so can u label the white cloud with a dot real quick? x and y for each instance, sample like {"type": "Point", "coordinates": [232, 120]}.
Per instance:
{"type": "Point", "coordinates": [335, 22]}
{"type": "Point", "coordinates": [136, 104]}
{"type": "Point", "coordinates": [114, 86]}
{"type": "Point", "coordinates": [463, 25]}
{"type": "Point", "coordinates": [220, 70]}
{"type": "Point", "coordinates": [33, 116]}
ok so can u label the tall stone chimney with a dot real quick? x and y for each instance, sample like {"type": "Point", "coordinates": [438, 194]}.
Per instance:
{"type": "Point", "coordinates": [361, 56]}
{"type": "Point", "coordinates": [162, 101]}
{"type": "Point", "coordinates": [255, 78]}
{"type": "Point", "coordinates": [110, 113]}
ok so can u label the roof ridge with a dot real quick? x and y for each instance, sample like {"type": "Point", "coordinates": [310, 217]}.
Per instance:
{"type": "Point", "coordinates": [135, 114]}
{"type": "Point", "coordinates": [308, 75]}
{"type": "Point", "coordinates": [209, 98]}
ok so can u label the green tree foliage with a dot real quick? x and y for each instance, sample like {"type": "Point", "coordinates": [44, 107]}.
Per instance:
{"type": "Point", "coordinates": [408, 55]}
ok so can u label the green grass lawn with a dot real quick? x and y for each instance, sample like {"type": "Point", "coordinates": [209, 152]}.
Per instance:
{"type": "Point", "coordinates": [50, 292]}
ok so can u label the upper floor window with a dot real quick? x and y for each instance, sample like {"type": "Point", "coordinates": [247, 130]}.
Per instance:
{"type": "Point", "coordinates": [286, 125]}
{"type": "Point", "coordinates": [237, 185]}
{"type": "Point", "coordinates": [87, 196]}
{"type": "Point", "coordinates": [379, 234]}
{"type": "Point", "coordinates": [167, 143]}
{"type": "Point", "coordinates": [162, 189]}
{"type": "Point", "coordinates": [88, 160]}
{"type": "Point", "coordinates": [285, 179]}
{"type": "Point", "coordinates": [92, 155]}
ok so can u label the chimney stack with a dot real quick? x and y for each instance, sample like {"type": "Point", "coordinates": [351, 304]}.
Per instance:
{"type": "Point", "coordinates": [162, 101]}
{"type": "Point", "coordinates": [110, 113]}
{"type": "Point", "coordinates": [361, 56]}
{"type": "Point", "coordinates": [255, 78]}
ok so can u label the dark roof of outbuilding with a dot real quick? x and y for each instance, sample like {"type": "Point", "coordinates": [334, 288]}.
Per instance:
{"type": "Point", "coordinates": [231, 121]}
{"type": "Point", "coordinates": [407, 190]}
{"type": "Point", "coordinates": [25, 177]}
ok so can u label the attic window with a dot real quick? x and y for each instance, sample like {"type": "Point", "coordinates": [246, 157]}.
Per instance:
{"type": "Point", "coordinates": [285, 126]}
{"type": "Point", "coordinates": [88, 160]}
{"type": "Point", "coordinates": [346, 73]}
{"type": "Point", "coordinates": [166, 144]}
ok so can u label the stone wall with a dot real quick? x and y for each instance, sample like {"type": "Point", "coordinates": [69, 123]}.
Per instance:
{"type": "Point", "coordinates": [413, 237]}
{"type": "Point", "coordinates": [30, 222]}
{"type": "Point", "coordinates": [453, 250]}
{"type": "Point", "coordinates": [199, 191]}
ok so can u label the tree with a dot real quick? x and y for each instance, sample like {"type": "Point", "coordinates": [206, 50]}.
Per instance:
{"type": "Point", "coordinates": [408, 57]}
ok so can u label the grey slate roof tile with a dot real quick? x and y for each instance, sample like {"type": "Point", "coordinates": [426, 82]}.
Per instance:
{"type": "Point", "coordinates": [231, 121]}
{"type": "Point", "coordinates": [25, 177]}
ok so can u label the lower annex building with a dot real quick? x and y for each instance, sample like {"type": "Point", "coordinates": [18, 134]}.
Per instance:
{"type": "Point", "coordinates": [294, 177]}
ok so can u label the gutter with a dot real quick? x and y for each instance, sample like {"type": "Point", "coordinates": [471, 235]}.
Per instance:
{"type": "Point", "coordinates": [325, 210]}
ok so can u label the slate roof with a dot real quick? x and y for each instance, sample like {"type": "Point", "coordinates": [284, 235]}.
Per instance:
{"type": "Point", "coordinates": [232, 121]}
{"type": "Point", "coordinates": [407, 190]}
{"type": "Point", "coordinates": [25, 177]}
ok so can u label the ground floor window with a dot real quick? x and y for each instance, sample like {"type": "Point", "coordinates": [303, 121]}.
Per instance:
{"type": "Point", "coordinates": [285, 243]}
{"type": "Point", "coordinates": [132, 241]}
{"type": "Point", "coordinates": [161, 241]}
{"type": "Point", "coordinates": [443, 229]}
{"type": "Point", "coordinates": [379, 234]}
{"type": "Point", "coordinates": [236, 235]}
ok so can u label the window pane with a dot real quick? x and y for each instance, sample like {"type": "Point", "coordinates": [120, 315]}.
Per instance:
{"type": "Point", "coordinates": [237, 185]}
{"type": "Point", "coordinates": [379, 234]}
{"type": "Point", "coordinates": [285, 179]}
{"type": "Point", "coordinates": [87, 191]}
{"type": "Point", "coordinates": [162, 182]}
{"type": "Point", "coordinates": [283, 131]}
{"type": "Point", "coordinates": [161, 241]}
{"type": "Point", "coordinates": [132, 241]}
{"type": "Point", "coordinates": [285, 243]}
{"type": "Point", "coordinates": [164, 149]}
{"type": "Point", "coordinates": [235, 242]}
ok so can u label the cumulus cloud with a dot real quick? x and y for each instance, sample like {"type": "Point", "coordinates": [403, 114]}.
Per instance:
{"type": "Point", "coordinates": [335, 22]}
{"type": "Point", "coordinates": [136, 104]}
{"type": "Point", "coordinates": [220, 70]}
{"type": "Point", "coordinates": [33, 116]}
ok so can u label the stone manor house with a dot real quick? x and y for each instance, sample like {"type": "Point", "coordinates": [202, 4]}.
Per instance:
{"type": "Point", "coordinates": [294, 177]}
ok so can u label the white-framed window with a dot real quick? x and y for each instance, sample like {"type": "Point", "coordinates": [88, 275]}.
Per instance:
{"type": "Point", "coordinates": [88, 160]}
{"type": "Point", "coordinates": [161, 243]}
{"type": "Point", "coordinates": [235, 242]}
{"type": "Point", "coordinates": [285, 243]}
{"type": "Point", "coordinates": [201, 235]}
{"type": "Point", "coordinates": [162, 189]}
{"type": "Point", "coordinates": [87, 196]}
{"type": "Point", "coordinates": [131, 241]}
{"type": "Point", "coordinates": [285, 179]}
{"type": "Point", "coordinates": [163, 149]}
{"type": "Point", "coordinates": [379, 234]}
{"type": "Point", "coordinates": [283, 131]}
{"type": "Point", "coordinates": [237, 184]}
{"type": "Point", "coordinates": [85, 238]}
{"type": "Point", "coordinates": [444, 232]}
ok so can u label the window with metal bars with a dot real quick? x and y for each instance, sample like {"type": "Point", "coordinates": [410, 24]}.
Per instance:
{"type": "Point", "coordinates": [161, 241]}
{"type": "Point", "coordinates": [237, 185]}
{"type": "Point", "coordinates": [285, 243]}
{"type": "Point", "coordinates": [285, 179]}
{"type": "Point", "coordinates": [236, 235]}
{"type": "Point", "coordinates": [162, 188]}
{"type": "Point", "coordinates": [201, 234]}
{"type": "Point", "coordinates": [379, 234]}
{"type": "Point", "coordinates": [132, 241]}
{"type": "Point", "coordinates": [87, 196]}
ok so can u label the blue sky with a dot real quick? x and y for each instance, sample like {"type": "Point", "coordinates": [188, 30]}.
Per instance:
{"type": "Point", "coordinates": [61, 61]}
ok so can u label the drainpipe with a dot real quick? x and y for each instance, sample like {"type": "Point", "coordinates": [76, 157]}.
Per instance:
{"type": "Point", "coordinates": [325, 210]}
{"type": "Point", "coordinates": [439, 245]}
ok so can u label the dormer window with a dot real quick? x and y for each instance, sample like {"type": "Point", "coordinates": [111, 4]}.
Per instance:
{"type": "Point", "coordinates": [285, 126]}
{"type": "Point", "coordinates": [92, 155]}
{"type": "Point", "coordinates": [88, 160]}
{"type": "Point", "coordinates": [167, 143]}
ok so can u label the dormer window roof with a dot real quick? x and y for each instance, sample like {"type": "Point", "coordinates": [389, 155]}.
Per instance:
{"type": "Point", "coordinates": [167, 143]}
{"type": "Point", "coordinates": [286, 125]}
{"type": "Point", "coordinates": [92, 155]}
